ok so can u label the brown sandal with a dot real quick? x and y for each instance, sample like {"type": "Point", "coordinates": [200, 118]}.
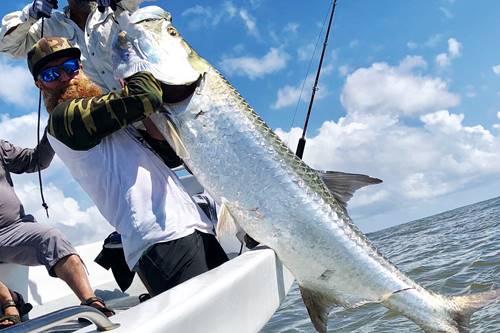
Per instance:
{"type": "Point", "coordinates": [14, 319]}
{"type": "Point", "coordinates": [104, 309]}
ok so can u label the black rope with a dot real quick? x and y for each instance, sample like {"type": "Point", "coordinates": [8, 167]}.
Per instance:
{"type": "Point", "coordinates": [44, 204]}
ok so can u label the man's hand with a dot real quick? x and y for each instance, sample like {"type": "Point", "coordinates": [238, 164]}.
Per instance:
{"type": "Point", "coordinates": [42, 8]}
{"type": "Point", "coordinates": [102, 4]}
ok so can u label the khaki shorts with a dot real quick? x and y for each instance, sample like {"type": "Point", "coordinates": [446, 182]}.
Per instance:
{"type": "Point", "coordinates": [33, 244]}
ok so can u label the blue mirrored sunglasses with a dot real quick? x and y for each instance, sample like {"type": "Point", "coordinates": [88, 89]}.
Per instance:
{"type": "Point", "coordinates": [52, 74]}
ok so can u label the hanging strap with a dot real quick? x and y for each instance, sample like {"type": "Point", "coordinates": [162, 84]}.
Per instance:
{"type": "Point", "coordinates": [44, 204]}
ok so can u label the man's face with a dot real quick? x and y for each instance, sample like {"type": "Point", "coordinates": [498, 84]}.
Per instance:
{"type": "Point", "coordinates": [68, 85]}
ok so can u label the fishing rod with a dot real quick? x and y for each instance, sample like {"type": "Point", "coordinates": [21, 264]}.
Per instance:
{"type": "Point", "coordinates": [302, 141]}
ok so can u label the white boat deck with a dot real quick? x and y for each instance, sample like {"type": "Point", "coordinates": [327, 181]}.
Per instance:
{"type": "Point", "coordinates": [239, 296]}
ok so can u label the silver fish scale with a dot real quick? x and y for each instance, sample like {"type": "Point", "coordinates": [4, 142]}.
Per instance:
{"type": "Point", "coordinates": [274, 193]}
{"type": "Point", "coordinates": [282, 203]}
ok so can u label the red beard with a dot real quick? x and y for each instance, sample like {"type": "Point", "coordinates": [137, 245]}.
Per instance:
{"type": "Point", "coordinates": [80, 87]}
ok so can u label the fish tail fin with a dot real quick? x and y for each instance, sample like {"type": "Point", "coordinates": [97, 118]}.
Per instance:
{"type": "Point", "coordinates": [464, 306]}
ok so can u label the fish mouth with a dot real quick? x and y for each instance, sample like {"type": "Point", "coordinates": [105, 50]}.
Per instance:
{"type": "Point", "coordinates": [177, 93]}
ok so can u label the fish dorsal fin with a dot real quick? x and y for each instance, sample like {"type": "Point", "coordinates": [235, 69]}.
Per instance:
{"type": "Point", "coordinates": [342, 185]}
{"type": "Point", "coordinates": [318, 307]}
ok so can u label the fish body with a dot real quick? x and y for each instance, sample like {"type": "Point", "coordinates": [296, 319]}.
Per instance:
{"type": "Point", "coordinates": [283, 203]}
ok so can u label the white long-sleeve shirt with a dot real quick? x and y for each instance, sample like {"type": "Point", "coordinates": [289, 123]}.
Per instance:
{"type": "Point", "coordinates": [135, 191]}
{"type": "Point", "coordinates": [94, 42]}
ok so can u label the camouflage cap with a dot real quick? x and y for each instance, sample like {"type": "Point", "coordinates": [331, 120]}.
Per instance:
{"type": "Point", "coordinates": [48, 49]}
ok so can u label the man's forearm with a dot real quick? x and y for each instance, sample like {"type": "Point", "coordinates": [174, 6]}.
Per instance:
{"type": "Point", "coordinates": [44, 153]}
{"type": "Point", "coordinates": [82, 123]}
{"type": "Point", "coordinates": [20, 160]}
{"type": "Point", "coordinates": [18, 33]}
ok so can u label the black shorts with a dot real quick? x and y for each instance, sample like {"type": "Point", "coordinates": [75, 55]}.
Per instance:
{"type": "Point", "coordinates": [165, 265]}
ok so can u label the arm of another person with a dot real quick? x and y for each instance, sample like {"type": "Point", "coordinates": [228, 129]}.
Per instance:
{"type": "Point", "coordinates": [19, 32]}
{"type": "Point", "coordinates": [83, 122]}
{"type": "Point", "coordinates": [20, 160]}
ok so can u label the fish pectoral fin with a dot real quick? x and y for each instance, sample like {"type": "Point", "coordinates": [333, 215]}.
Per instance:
{"type": "Point", "coordinates": [318, 306]}
{"type": "Point", "coordinates": [227, 223]}
{"type": "Point", "coordinates": [169, 132]}
{"type": "Point", "coordinates": [342, 185]}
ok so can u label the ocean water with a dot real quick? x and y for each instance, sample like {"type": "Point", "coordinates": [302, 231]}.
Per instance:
{"type": "Point", "coordinates": [452, 253]}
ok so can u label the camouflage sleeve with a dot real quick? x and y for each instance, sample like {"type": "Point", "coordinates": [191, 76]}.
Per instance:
{"type": "Point", "coordinates": [83, 122]}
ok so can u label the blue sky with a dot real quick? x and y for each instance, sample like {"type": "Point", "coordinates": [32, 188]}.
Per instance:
{"type": "Point", "coordinates": [410, 93]}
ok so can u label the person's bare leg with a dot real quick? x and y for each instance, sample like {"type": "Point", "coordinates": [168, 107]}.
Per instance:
{"type": "Point", "coordinates": [70, 269]}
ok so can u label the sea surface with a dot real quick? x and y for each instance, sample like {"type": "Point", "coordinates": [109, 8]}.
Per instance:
{"type": "Point", "coordinates": [452, 253]}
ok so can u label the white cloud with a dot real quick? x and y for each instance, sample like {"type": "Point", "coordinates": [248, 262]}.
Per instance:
{"type": "Point", "coordinates": [411, 45]}
{"type": "Point", "coordinates": [451, 124]}
{"type": "Point", "coordinates": [289, 95]}
{"type": "Point", "coordinates": [454, 51]}
{"type": "Point", "coordinates": [256, 3]}
{"type": "Point", "coordinates": [354, 43]}
{"type": "Point", "coordinates": [434, 40]}
{"type": "Point", "coordinates": [66, 212]}
{"type": "Point", "coordinates": [230, 9]}
{"type": "Point", "coordinates": [496, 69]}
{"type": "Point", "coordinates": [443, 60]}
{"type": "Point", "coordinates": [305, 52]}
{"type": "Point", "coordinates": [206, 16]}
{"type": "Point", "coordinates": [291, 27]}
{"type": "Point", "coordinates": [203, 16]}
{"type": "Point", "coordinates": [250, 22]}
{"type": "Point", "coordinates": [275, 60]}
{"type": "Point", "coordinates": [20, 130]}
{"type": "Point", "coordinates": [497, 126]}
{"type": "Point", "coordinates": [470, 91]}
{"type": "Point", "coordinates": [447, 13]}
{"type": "Point", "coordinates": [20, 91]}
{"type": "Point", "coordinates": [344, 70]}
{"type": "Point", "coordinates": [454, 48]}
{"type": "Point", "coordinates": [416, 163]}
{"type": "Point", "coordinates": [382, 89]}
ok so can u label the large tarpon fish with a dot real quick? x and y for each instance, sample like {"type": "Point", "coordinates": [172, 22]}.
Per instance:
{"type": "Point", "coordinates": [273, 195]}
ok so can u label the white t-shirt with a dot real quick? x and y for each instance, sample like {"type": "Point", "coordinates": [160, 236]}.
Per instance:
{"type": "Point", "coordinates": [135, 191]}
